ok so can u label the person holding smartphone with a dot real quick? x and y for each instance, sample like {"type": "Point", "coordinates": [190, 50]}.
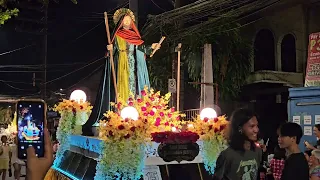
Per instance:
{"type": "Point", "coordinates": [37, 167]}
{"type": "Point", "coordinates": [316, 132]}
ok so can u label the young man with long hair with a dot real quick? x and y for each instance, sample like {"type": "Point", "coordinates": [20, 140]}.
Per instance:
{"type": "Point", "coordinates": [241, 160]}
{"type": "Point", "coordinates": [296, 166]}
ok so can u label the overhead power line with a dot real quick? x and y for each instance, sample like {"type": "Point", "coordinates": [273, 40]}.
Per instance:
{"type": "Point", "coordinates": [48, 82]}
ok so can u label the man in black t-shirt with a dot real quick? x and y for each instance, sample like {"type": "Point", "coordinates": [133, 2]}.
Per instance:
{"type": "Point", "coordinates": [296, 166]}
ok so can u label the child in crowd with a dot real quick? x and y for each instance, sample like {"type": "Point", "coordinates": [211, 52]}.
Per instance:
{"type": "Point", "coordinates": [17, 163]}
{"type": "Point", "coordinates": [277, 163]}
{"type": "Point", "coordinates": [5, 156]}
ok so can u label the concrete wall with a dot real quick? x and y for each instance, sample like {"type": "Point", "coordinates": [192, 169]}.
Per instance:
{"type": "Point", "coordinates": [287, 21]}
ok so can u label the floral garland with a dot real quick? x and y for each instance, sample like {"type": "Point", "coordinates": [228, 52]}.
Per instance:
{"type": "Point", "coordinates": [169, 137]}
{"type": "Point", "coordinates": [71, 112]}
{"type": "Point", "coordinates": [125, 140]}
{"type": "Point", "coordinates": [212, 133]}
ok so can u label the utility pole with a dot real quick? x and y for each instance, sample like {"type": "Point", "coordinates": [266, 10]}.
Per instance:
{"type": "Point", "coordinates": [45, 51]}
{"type": "Point", "coordinates": [134, 7]}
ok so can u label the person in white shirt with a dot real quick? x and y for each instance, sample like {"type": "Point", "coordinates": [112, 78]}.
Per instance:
{"type": "Point", "coordinates": [16, 162]}
{"type": "Point", "coordinates": [5, 156]}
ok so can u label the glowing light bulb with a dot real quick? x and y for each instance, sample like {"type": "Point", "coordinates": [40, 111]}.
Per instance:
{"type": "Point", "coordinates": [78, 95]}
{"type": "Point", "coordinates": [208, 113]}
{"type": "Point", "coordinates": [130, 113]}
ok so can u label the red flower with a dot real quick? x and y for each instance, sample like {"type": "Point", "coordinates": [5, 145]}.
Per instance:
{"type": "Point", "coordinates": [119, 105]}
{"type": "Point", "coordinates": [223, 127]}
{"type": "Point", "coordinates": [166, 124]}
{"type": "Point", "coordinates": [143, 93]}
{"type": "Point", "coordinates": [151, 113]}
{"type": "Point", "coordinates": [161, 114]}
{"type": "Point", "coordinates": [169, 115]}
{"type": "Point", "coordinates": [130, 103]}
{"type": "Point", "coordinates": [127, 136]}
{"type": "Point", "coordinates": [210, 127]}
{"type": "Point", "coordinates": [215, 120]}
{"type": "Point", "coordinates": [81, 107]}
{"type": "Point", "coordinates": [139, 100]}
{"type": "Point", "coordinates": [216, 130]}
{"type": "Point", "coordinates": [172, 109]}
{"type": "Point", "coordinates": [146, 120]}
{"type": "Point", "coordinates": [147, 104]}
{"type": "Point", "coordinates": [74, 110]}
{"type": "Point", "coordinates": [173, 137]}
{"type": "Point", "coordinates": [178, 117]}
{"type": "Point", "coordinates": [132, 128]}
{"type": "Point", "coordinates": [130, 99]}
{"type": "Point", "coordinates": [120, 127]}
{"type": "Point", "coordinates": [206, 119]}
{"type": "Point", "coordinates": [145, 114]}
{"type": "Point", "coordinates": [126, 119]}
{"type": "Point", "coordinates": [110, 133]}
{"type": "Point", "coordinates": [143, 108]}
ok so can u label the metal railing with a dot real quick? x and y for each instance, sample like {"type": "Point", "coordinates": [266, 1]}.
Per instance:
{"type": "Point", "coordinates": [191, 113]}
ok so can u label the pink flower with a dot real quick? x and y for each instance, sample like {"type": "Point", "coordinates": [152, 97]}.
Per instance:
{"type": "Point", "coordinates": [145, 114]}
{"type": "Point", "coordinates": [157, 123]}
{"type": "Point", "coordinates": [161, 114]}
{"type": "Point", "coordinates": [143, 93]}
{"type": "Point", "coordinates": [178, 118]}
{"type": "Point", "coordinates": [172, 109]}
{"type": "Point", "coordinates": [166, 124]}
{"type": "Point", "coordinates": [152, 98]}
{"type": "Point", "coordinates": [206, 119]}
{"type": "Point", "coordinates": [130, 103]}
{"type": "Point", "coordinates": [151, 113]}
{"type": "Point", "coordinates": [139, 100]}
{"type": "Point", "coordinates": [169, 115]}
{"type": "Point", "coordinates": [130, 99]}
{"type": "Point", "coordinates": [143, 108]}
{"type": "Point", "coordinates": [147, 104]}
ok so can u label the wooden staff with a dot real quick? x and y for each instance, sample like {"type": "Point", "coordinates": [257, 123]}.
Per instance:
{"type": "Point", "coordinates": [111, 56]}
{"type": "Point", "coordinates": [178, 49]}
{"type": "Point", "coordinates": [158, 46]}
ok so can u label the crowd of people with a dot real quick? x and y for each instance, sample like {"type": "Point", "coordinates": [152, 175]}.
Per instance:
{"type": "Point", "coordinates": [244, 159]}
{"type": "Point", "coordinates": [36, 168]}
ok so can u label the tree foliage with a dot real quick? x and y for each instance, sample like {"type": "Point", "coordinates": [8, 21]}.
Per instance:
{"type": "Point", "coordinates": [6, 13]}
{"type": "Point", "coordinates": [231, 55]}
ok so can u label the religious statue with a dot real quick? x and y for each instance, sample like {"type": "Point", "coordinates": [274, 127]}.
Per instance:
{"type": "Point", "coordinates": [129, 62]}
{"type": "Point", "coordinates": [129, 54]}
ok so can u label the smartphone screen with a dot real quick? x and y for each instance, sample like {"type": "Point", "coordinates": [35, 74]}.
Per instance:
{"type": "Point", "coordinates": [31, 121]}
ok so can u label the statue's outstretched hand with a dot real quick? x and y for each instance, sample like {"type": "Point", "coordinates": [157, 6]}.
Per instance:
{"type": "Point", "coordinates": [110, 47]}
{"type": "Point", "coordinates": [155, 46]}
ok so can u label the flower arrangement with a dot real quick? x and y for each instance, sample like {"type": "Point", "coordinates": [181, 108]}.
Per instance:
{"type": "Point", "coordinates": [71, 112]}
{"type": "Point", "coordinates": [125, 140]}
{"type": "Point", "coordinates": [212, 133]}
{"type": "Point", "coordinates": [169, 137]}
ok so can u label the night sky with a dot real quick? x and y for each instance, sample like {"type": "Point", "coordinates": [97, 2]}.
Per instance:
{"type": "Point", "coordinates": [76, 37]}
